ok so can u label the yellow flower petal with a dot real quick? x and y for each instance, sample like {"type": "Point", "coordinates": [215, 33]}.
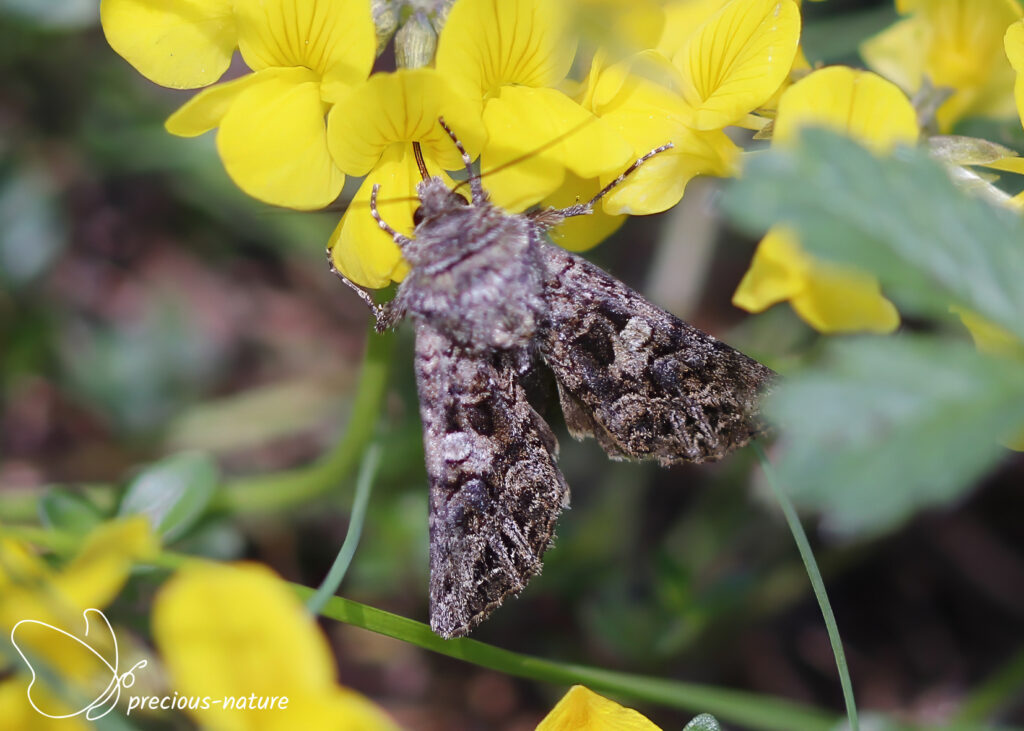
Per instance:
{"type": "Point", "coordinates": [359, 249]}
{"type": "Point", "coordinates": [581, 232]}
{"type": "Point", "coordinates": [859, 103]}
{"type": "Point", "coordinates": [1013, 43]}
{"type": "Point", "coordinates": [622, 26]}
{"type": "Point", "coordinates": [273, 141]}
{"type": "Point", "coordinates": [95, 576]}
{"type": "Point", "coordinates": [828, 297]}
{"type": "Point", "coordinates": [581, 709]}
{"type": "Point", "coordinates": [91, 580]}
{"type": "Point", "coordinates": [18, 714]}
{"type": "Point", "coordinates": [206, 109]}
{"type": "Point", "coordinates": [487, 44]}
{"type": "Point", "coordinates": [956, 44]}
{"type": "Point", "coordinates": [534, 135]}
{"type": "Point", "coordinates": [683, 18]}
{"type": "Point", "coordinates": [183, 44]}
{"type": "Point", "coordinates": [895, 53]}
{"type": "Point", "coordinates": [738, 59]}
{"type": "Point", "coordinates": [403, 106]}
{"type": "Point", "coordinates": [777, 272]}
{"type": "Point", "coordinates": [637, 98]}
{"type": "Point", "coordinates": [336, 39]}
{"type": "Point", "coordinates": [990, 338]}
{"type": "Point", "coordinates": [843, 300]}
{"type": "Point", "coordinates": [237, 630]}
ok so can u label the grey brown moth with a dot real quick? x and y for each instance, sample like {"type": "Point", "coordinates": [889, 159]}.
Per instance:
{"type": "Point", "coordinates": [490, 297]}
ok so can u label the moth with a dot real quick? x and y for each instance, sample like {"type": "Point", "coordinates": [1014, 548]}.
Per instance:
{"type": "Point", "coordinates": [490, 298]}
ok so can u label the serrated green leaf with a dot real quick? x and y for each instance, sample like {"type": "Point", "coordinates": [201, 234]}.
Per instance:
{"type": "Point", "coordinates": [64, 510]}
{"type": "Point", "coordinates": [888, 426]}
{"type": "Point", "coordinates": [929, 243]}
{"type": "Point", "coordinates": [173, 493]}
{"type": "Point", "coordinates": [703, 722]}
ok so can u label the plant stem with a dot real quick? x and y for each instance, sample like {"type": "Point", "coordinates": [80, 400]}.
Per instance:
{"type": "Point", "coordinates": [277, 490]}
{"type": "Point", "coordinates": [817, 583]}
{"type": "Point", "coordinates": [364, 484]}
{"type": "Point", "coordinates": [748, 709]}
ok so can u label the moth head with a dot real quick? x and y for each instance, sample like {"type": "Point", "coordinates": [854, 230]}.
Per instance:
{"type": "Point", "coordinates": [436, 199]}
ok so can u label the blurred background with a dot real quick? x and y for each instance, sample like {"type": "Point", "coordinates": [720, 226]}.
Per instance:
{"type": "Point", "coordinates": [147, 307]}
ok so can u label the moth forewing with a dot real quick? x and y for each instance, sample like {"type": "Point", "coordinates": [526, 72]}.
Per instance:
{"type": "Point", "coordinates": [487, 294]}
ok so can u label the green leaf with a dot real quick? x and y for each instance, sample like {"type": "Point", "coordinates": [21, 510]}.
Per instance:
{"type": "Point", "coordinates": [703, 722]}
{"type": "Point", "coordinates": [888, 426]}
{"type": "Point", "coordinates": [930, 244]}
{"type": "Point", "coordinates": [173, 493]}
{"type": "Point", "coordinates": [63, 510]}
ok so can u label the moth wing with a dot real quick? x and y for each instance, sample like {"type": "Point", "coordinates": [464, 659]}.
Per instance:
{"type": "Point", "coordinates": [495, 489]}
{"type": "Point", "coordinates": [641, 381]}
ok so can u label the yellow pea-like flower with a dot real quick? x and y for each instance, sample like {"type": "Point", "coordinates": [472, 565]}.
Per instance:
{"type": "Point", "coordinates": [581, 709]}
{"type": "Point", "coordinates": [738, 59]}
{"type": "Point", "coordinates": [957, 44]}
{"type": "Point", "coordinates": [371, 134]}
{"type": "Point", "coordinates": [1013, 44]}
{"type": "Point", "coordinates": [829, 297]}
{"type": "Point", "coordinates": [238, 630]}
{"type": "Point", "coordinates": [306, 56]}
{"type": "Point", "coordinates": [54, 600]}
{"type": "Point", "coordinates": [510, 55]}
{"type": "Point", "coordinates": [183, 44]}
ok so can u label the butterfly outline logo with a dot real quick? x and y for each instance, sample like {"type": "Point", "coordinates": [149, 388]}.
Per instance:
{"type": "Point", "coordinates": [108, 698]}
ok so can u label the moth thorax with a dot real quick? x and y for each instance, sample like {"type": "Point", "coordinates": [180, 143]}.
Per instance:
{"type": "Point", "coordinates": [436, 199]}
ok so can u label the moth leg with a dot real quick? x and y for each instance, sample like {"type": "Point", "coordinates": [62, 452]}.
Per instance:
{"type": "Point", "coordinates": [378, 311]}
{"type": "Point", "coordinates": [554, 216]}
{"type": "Point", "coordinates": [399, 238]}
{"type": "Point", "coordinates": [475, 185]}
{"type": "Point", "coordinates": [390, 314]}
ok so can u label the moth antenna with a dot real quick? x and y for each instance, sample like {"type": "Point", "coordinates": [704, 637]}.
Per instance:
{"type": "Point", "coordinates": [418, 154]}
{"type": "Point", "coordinates": [375, 309]}
{"type": "Point", "coordinates": [400, 239]}
{"type": "Point", "coordinates": [583, 209]}
{"type": "Point", "coordinates": [474, 180]}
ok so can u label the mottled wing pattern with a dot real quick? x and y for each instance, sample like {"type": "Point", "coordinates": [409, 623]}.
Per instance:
{"type": "Point", "coordinates": [495, 490]}
{"type": "Point", "coordinates": [642, 382]}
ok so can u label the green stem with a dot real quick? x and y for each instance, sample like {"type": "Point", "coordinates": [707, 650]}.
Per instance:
{"type": "Point", "coordinates": [818, 584]}
{"type": "Point", "coordinates": [364, 483]}
{"type": "Point", "coordinates": [748, 709]}
{"type": "Point", "coordinates": [277, 490]}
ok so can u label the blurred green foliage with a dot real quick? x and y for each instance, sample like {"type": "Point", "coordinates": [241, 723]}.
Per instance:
{"type": "Point", "coordinates": [883, 427]}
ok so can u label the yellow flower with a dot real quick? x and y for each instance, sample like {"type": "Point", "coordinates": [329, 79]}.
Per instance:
{"type": "Point", "coordinates": [639, 99]}
{"type": "Point", "coordinates": [956, 44]}
{"type": "Point", "coordinates": [1013, 44]}
{"type": "Point", "coordinates": [183, 44]}
{"type": "Point", "coordinates": [306, 55]}
{"type": "Point", "coordinates": [622, 27]}
{"type": "Point", "coordinates": [509, 55]}
{"type": "Point", "coordinates": [730, 62]}
{"type": "Point", "coordinates": [829, 297]}
{"type": "Point", "coordinates": [56, 599]}
{"type": "Point", "coordinates": [990, 338]}
{"type": "Point", "coordinates": [395, 110]}
{"type": "Point", "coordinates": [581, 709]}
{"type": "Point", "coordinates": [233, 631]}
{"type": "Point", "coordinates": [738, 59]}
